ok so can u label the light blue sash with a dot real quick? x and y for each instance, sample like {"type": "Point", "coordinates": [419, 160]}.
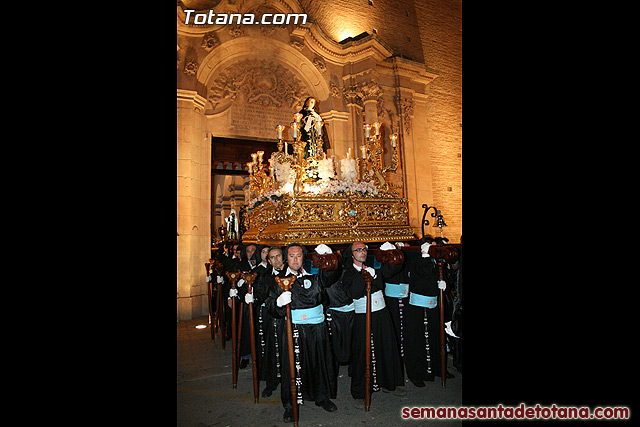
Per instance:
{"type": "Point", "coordinates": [313, 315]}
{"type": "Point", "coordinates": [396, 290]}
{"type": "Point", "coordinates": [348, 307]}
{"type": "Point", "coordinates": [377, 303]}
{"type": "Point", "coordinates": [422, 300]}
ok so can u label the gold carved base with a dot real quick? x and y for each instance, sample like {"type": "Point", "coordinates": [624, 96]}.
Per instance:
{"type": "Point", "coordinates": [329, 219]}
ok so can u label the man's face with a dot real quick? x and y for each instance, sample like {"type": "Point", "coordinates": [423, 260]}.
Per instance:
{"type": "Point", "coordinates": [294, 258]}
{"type": "Point", "coordinates": [250, 251]}
{"type": "Point", "coordinates": [359, 251]}
{"type": "Point", "coordinates": [275, 259]}
{"type": "Point", "coordinates": [236, 252]}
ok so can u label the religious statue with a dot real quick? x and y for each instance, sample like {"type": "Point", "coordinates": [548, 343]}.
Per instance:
{"type": "Point", "coordinates": [313, 131]}
{"type": "Point", "coordinates": [232, 225]}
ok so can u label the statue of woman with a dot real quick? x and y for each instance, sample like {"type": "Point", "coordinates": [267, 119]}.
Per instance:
{"type": "Point", "coordinates": [309, 132]}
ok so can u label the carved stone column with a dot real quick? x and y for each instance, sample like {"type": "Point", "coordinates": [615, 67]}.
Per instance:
{"type": "Point", "coordinates": [193, 200]}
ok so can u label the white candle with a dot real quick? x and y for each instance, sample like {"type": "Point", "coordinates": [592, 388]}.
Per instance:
{"type": "Point", "coordinates": [376, 127]}
{"type": "Point", "coordinates": [349, 153]}
{"type": "Point", "coordinates": [294, 127]}
{"type": "Point", "coordinates": [393, 139]}
{"type": "Point", "coordinates": [366, 130]}
{"type": "Point", "coordinates": [279, 129]}
{"type": "Point", "coordinates": [364, 151]}
{"type": "Point", "coordinates": [297, 117]}
{"type": "Point", "coordinates": [260, 154]}
{"type": "Point", "coordinates": [319, 127]}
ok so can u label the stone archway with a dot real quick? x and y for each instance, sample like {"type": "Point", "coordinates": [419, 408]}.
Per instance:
{"type": "Point", "coordinates": [250, 90]}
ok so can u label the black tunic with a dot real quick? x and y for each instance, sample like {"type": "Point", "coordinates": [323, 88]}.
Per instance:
{"type": "Point", "coordinates": [340, 323]}
{"type": "Point", "coordinates": [396, 274]}
{"type": "Point", "coordinates": [422, 365]}
{"type": "Point", "coordinates": [388, 368]}
{"type": "Point", "coordinates": [316, 360]}
{"type": "Point", "coordinates": [268, 327]}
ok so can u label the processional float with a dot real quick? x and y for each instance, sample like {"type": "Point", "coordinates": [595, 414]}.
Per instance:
{"type": "Point", "coordinates": [306, 197]}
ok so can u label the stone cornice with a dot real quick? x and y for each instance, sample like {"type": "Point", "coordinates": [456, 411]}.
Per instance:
{"type": "Point", "coordinates": [193, 97]}
{"type": "Point", "coordinates": [321, 44]}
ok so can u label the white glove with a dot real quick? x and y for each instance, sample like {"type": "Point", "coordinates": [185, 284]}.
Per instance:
{"type": "Point", "coordinates": [240, 283]}
{"type": "Point", "coordinates": [208, 279]}
{"type": "Point", "coordinates": [284, 299]}
{"type": "Point", "coordinates": [447, 329]}
{"type": "Point", "coordinates": [323, 249]}
{"type": "Point", "coordinates": [233, 293]}
{"type": "Point", "coordinates": [386, 246]}
{"type": "Point", "coordinates": [220, 279]}
{"type": "Point", "coordinates": [442, 284]}
{"type": "Point", "coordinates": [248, 298]}
{"type": "Point", "coordinates": [425, 249]}
{"type": "Point", "coordinates": [371, 271]}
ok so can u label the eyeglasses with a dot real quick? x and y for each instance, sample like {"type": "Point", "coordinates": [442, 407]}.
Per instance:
{"type": "Point", "coordinates": [360, 250]}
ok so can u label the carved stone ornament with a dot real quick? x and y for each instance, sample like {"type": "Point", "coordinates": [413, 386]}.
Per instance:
{"type": "Point", "coordinates": [407, 111]}
{"type": "Point", "coordinates": [210, 41]}
{"type": "Point", "coordinates": [258, 82]}
{"type": "Point", "coordinates": [320, 65]}
{"type": "Point", "coordinates": [191, 67]}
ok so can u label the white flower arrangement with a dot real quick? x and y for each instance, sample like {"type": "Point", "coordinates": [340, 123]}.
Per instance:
{"type": "Point", "coordinates": [348, 169]}
{"type": "Point", "coordinates": [341, 186]}
{"type": "Point", "coordinates": [273, 195]}
{"type": "Point", "coordinates": [284, 173]}
{"type": "Point", "coordinates": [325, 169]}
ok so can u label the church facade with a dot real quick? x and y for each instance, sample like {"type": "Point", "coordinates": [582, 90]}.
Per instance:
{"type": "Point", "coordinates": [398, 63]}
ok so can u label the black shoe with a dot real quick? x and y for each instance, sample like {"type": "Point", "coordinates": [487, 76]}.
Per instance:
{"type": "Point", "coordinates": [267, 392]}
{"type": "Point", "coordinates": [288, 416]}
{"type": "Point", "coordinates": [448, 374]}
{"type": "Point", "coordinates": [418, 383]}
{"type": "Point", "coordinates": [244, 363]}
{"type": "Point", "coordinates": [327, 405]}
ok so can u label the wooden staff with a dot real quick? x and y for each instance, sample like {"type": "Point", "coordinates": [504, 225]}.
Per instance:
{"type": "Point", "coordinates": [367, 358]}
{"type": "Point", "coordinates": [443, 254]}
{"type": "Point", "coordinates": [285, 284]}
{"type": "Point", "coordinates": [249, 278]}
{"type": "Point", "coordinates": [233, 277]}
{"type": "Point", "coordinates": [443, 350]}
{"type": "Point", "coordinates": [209, 267]}
{"type": "Point", "coordinates": [221, 323]}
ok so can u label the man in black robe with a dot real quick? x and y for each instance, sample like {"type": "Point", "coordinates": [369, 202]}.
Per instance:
{"type": "Point", "coordinates": [386, 369]}
{"type": "Point", "coordinates": [422, 346]}
{"type": "Point", "coordinates": [315, 379]}
{"type": "Point", "coordinates": [396, 294]}
{"type": "Point", "coordinates": [268, 326]}
{"type": "Point", "coordinates": [247, 264]}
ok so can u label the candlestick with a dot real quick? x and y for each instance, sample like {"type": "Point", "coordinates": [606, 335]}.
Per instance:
{"type": "Point", "coordinates": [271, 171]}
{"type": "Point", "coordinates": [367, 128]}
{"type": "Point", "coordinates": [376, 127]}
{"type": "Point", "coordinates": [279, 130]}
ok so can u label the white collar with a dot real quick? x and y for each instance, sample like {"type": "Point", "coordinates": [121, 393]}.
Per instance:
{"type": "Point", "coordinates": [356, 267]}
{"type": "Point", "coordinates": [304, 273]}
